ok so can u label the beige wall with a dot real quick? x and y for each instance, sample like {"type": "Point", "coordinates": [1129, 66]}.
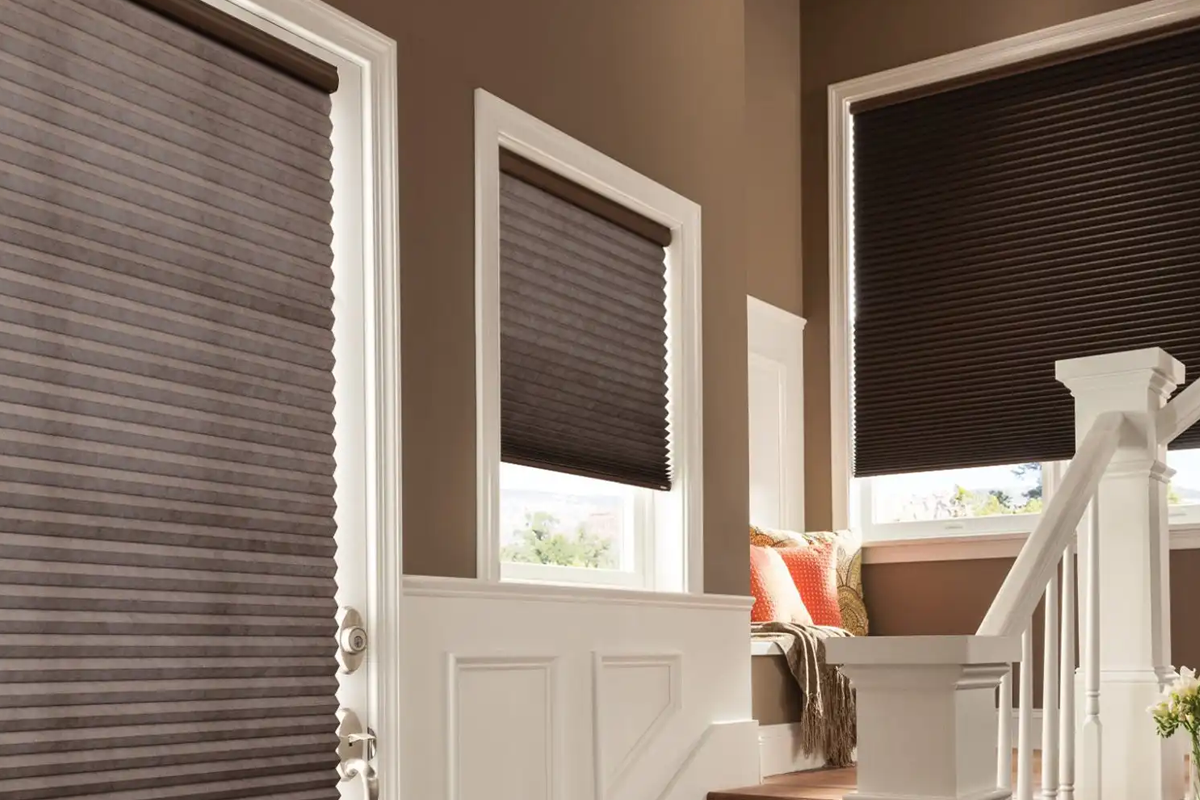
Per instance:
{"type": "Point", "coordinates": [773, 153]}
{"type": "Point", "coordinates": [843, 39]}
{"type": "Point", "coordinates": [952, 597]}
{"type": "Point", "coordinates": [660, 85]}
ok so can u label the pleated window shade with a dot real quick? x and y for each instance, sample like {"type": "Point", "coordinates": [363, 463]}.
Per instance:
{"type": "Point", "coordinates": [583, 348]}
{"type": "Point", "coordinates": [1004, 225]}
{"type": "Point", "coordinates": [166, 474]}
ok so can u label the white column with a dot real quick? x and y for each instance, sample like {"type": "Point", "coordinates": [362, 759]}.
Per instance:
{"type": "Point", "coordinates": [926, 714]}
{"type": "Point", "coordinates": [1134, 611]}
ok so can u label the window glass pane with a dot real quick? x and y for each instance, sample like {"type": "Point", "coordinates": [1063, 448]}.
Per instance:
{"type": "Point", "coordinates": [565, 520]}
{"type": "Point", "coordinates": [1185, 485]}
{"type": "Point", "coordinates": [957, 493]}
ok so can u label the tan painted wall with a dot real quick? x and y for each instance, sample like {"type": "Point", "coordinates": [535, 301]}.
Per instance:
{"type": "Point", "coordinates": [952, 597]}
{"type": "Point", "coordinates": [843, 39]}
{"type": "Point", "coordinates": [660, 85]}
{"type": "Point", "coordinates": [773, 153]}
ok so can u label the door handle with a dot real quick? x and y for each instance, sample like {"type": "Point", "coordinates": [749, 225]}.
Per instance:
{"type": "Point", "coordinates": [353, 768]}
{"type": "Point", "coordinates": [356, 749]}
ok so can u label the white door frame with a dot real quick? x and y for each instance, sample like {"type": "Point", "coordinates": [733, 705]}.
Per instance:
{"type": "Point", "coordinates": [367, 350]}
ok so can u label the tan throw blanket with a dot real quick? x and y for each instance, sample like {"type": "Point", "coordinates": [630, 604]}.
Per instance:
{"type": "Point", "coordinates": [828, 722]}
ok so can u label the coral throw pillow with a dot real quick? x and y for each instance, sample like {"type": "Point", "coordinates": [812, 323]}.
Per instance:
{"type": "Point", "coordinates": [775, 595]}
{"type": "Point", "coordinates": [812, 568]}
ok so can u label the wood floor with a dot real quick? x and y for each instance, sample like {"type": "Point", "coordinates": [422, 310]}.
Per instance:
{"type": "Point", "coordinates": [827, 784]}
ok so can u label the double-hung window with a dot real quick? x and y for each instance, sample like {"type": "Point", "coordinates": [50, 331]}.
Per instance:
{"type": "Point", "coordinates": [588, 364]}
{"type": "Point", "coordinates": [997, 227]}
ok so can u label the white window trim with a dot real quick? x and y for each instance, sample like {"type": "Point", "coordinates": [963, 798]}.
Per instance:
{"type": "Point", "coordinates": [679, 558]}
{"type": "Point", "coordinates": [366, 267]}
{"type": "Point", "coordinates": [1038, 44]}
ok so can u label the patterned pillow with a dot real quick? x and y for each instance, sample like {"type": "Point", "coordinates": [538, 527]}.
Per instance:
{"type": "Point", "coordinates": [848, 547]}
{"type": "Point", "coordinates": [776, 598]}
{"type": "Point", "coordinates": [813, 572]}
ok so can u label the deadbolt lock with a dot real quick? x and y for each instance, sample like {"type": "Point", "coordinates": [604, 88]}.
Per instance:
{"type": "Point", "coordinates": [352, 639]}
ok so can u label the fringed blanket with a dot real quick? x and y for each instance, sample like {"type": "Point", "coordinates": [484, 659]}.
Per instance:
{"type": "Point", "coordinates": [827, 723]}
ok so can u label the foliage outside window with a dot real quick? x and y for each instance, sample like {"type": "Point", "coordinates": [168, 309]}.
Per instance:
{"type": "Point", "coordinates": [569, 523]}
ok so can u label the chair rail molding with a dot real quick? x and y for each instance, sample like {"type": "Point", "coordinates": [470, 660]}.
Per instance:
{"type": "Point", "coordinates": [1097, 29]}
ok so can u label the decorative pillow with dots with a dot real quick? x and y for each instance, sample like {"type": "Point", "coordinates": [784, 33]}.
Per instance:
{"type": "Point", "coordinates": [813, 572]}
{"type": "Point", "coordinates": [776, 598]}
{"type": "Point", "coordinates": [848, 546]}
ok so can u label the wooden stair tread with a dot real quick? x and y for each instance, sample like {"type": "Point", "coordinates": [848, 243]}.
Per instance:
{"type": "Point", "coordinates": [824, 784]}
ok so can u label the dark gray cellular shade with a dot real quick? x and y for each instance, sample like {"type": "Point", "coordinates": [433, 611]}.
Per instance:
{"type": "Point", "coordinates": [583, 344]}
{"type": "Point", "coordinates": [231, 32]}
{"type": "Point", "coordinates": [1004, 225]}
{"type": "Point", "coordinates": [166, 449]}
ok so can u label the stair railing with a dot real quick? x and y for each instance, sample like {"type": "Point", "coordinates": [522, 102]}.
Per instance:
{"type": "Point", "coordinates": [923, 701]}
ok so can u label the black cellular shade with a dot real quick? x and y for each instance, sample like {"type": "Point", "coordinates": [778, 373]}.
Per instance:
{"type": "Point", "coordinates": [583, 343]}
{"type": "Point", "coordinates": [1001, 226]}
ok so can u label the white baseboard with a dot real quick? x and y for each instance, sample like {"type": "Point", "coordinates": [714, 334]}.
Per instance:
{"type": "Point", "coordinates": [779, 750]}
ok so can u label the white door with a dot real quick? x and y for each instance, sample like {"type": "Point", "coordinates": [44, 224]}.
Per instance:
{"type": "Point", "coordinates": [367, 391]}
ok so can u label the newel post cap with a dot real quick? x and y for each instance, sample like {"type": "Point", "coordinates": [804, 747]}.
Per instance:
{"type": "Point", "coordinates": [1154, 363]}
{"type": "Point", "coordinates": [923, 650]}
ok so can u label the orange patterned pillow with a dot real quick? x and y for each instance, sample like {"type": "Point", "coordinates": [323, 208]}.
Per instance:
{"type": "Point", "coordinates": [848, 547]}
{"type": "Point", "coordinates": [812, 570]}
{"type": "Point", "coordinates": [775, 596]}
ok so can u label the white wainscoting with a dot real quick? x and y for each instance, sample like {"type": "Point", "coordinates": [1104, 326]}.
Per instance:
{"type": "Point", "coordinates": [776, 400]}
{"type": "Point", "coordinates": [520, 692]}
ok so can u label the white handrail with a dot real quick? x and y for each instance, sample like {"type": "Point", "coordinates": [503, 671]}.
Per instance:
{"type": "Point", "coordinates": [1022, 589]}
{"type": "Point", "coordinates": [1178, 415]}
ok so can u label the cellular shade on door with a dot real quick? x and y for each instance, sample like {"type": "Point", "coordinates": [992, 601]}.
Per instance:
{"type": "Point", "coordinates": [1004, 225]}
{"type": "Point", "coordinates": [583, 348]}
{"type": "Point", "coordinates": [166, 448]}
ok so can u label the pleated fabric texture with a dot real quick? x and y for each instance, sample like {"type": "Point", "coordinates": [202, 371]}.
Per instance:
{"type": "Point", "coordinates": [1002, 226]}
{"type": "Point", "coordinates": [166, 449]}
{"type": "Point", "coordinates": [583, 348]}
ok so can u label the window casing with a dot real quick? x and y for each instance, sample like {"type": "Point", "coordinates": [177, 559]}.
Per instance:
{"type": "Point", "coordinates": [661, 535]}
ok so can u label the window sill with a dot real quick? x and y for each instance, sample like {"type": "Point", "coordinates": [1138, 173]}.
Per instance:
{"type": "Point", "coordinates": [1184, 536]}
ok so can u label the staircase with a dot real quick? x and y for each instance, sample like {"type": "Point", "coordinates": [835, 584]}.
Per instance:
{"type": "Point", "coordinates": [929, 724]}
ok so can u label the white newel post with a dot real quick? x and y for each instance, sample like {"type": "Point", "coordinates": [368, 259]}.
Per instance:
{"type": "Point", "coordinates": [926, 713]}
{"type": "Point", "coordinates": [1134, 605]}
